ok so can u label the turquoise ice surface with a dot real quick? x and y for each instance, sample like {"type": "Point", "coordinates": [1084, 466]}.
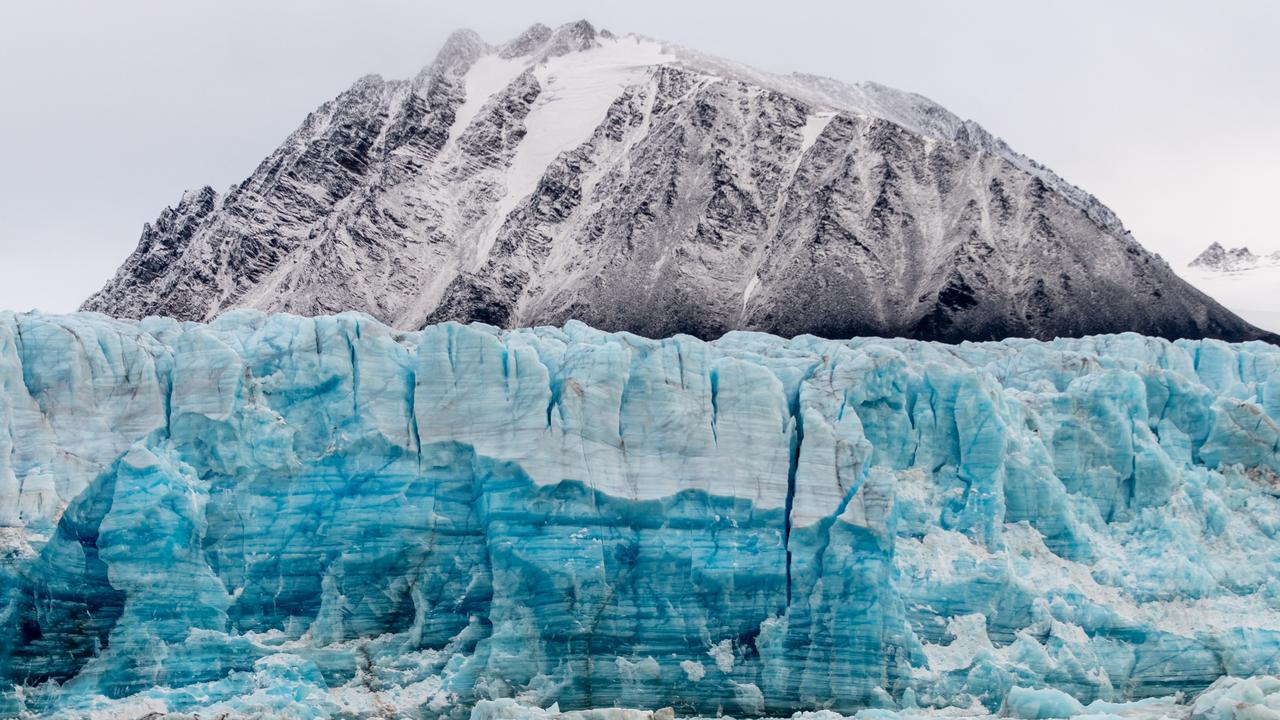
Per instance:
{"type": "Point", "coordinates": [268, 513]}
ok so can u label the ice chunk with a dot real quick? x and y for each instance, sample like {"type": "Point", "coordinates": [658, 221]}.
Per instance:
{"type": "Point", "coordinates": [1040, 704]}
{"type": "Point", "coordinates": [1231, 698]}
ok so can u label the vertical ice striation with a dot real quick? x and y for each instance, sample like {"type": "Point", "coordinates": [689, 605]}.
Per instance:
{"type": "Point", "coordinates": [640, 186]}
{"type": "Point", "coordinates": [270, 512]}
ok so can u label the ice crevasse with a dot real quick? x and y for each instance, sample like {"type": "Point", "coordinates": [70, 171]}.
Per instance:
{"type": "Point", "coordinates": [271, 512]}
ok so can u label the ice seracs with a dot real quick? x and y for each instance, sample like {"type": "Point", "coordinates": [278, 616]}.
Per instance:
{"type": "Point", "coordinates": [269, 512]}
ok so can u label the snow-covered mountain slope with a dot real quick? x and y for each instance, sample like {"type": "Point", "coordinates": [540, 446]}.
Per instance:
{"type": "Point", "coordinates": [641, 186]}
{"type": "Point", "coordinates": [1246, 283]}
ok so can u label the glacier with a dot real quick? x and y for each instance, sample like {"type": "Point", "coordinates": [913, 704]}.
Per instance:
{"type": "Point", "coordinates": [329, 517]}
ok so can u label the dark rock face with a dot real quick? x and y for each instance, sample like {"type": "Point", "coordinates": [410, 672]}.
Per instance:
{"type": "Point", "coordinates": [634, 186]}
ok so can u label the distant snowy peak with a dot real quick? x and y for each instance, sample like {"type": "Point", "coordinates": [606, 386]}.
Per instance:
{"type": "Point", "coordinates": [1245, 282]}
{"type": "Point", "coordinates": [638, 185]}
{"type": "Point", "coordinates": [1218, 258]}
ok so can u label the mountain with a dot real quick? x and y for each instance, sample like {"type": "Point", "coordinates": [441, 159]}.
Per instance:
{"type": "Point", "coordinates": [636, 185]}
{"type": "Point", "coordinates": [1217, 258]}
{"type": "Point", "coordinates": [1244, 282]}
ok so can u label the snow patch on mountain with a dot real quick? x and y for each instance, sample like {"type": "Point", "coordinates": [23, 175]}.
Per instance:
{"type": "Point", "coordinates": [813, 127]}
{"type": "Point", "coordinates": [577, 89]}
{"type": "Point", "coordinates": [488, 75]}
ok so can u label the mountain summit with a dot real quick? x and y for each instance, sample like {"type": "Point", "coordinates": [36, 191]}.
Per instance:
{"type": "Point", "coordinates": [1240, 279]}
{"type": "Point", "coordinates": [1217, 258]}
{"type": "Point", "coordinates": [636, 185]}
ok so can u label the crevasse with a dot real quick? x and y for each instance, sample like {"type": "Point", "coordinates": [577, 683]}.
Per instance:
{"type": "Point", "coordinates": [275, 509]}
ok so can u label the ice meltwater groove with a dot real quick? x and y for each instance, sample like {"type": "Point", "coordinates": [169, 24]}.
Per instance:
{"type": "Point", "coordinates": [268, 512]}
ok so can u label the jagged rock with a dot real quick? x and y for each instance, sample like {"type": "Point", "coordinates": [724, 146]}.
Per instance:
{"type": "Point", "coordinates": [640, 186]}
{"type": "Point", "coordinates": [1216, 257]}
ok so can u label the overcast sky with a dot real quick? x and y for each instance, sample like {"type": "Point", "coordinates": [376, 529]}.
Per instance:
{"type": "Point", "coordinates": [1169, 112]}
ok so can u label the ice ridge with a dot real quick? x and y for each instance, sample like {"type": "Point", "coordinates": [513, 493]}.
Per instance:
{"type": "Point", "coordinates": [328, 511]}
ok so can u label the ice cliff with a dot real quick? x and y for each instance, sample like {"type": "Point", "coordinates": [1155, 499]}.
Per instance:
{"type": "Point", "coordinates": [270, 511]}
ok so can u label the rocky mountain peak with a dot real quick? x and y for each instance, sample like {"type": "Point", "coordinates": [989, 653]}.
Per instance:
{"type": "Point", "coordinates": [460, 49]}
{"type": "Point", "coordinates": [527, 42]}
{"type": "Point", "coordinates": [1216, 257]}
{"type": "Point", "coordinates": [638, 185]}
{"type": "Point", "coordinates": [571, 37]}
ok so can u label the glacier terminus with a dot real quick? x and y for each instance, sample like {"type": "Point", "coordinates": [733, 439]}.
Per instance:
{"type": "Point", "coordinates": [330, 517]}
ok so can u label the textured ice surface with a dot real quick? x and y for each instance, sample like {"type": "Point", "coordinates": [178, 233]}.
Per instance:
{"type": "Point", "coordinates": [269, 513]}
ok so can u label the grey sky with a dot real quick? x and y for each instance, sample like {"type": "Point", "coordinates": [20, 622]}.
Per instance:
{"type": "Point", "coordinates": [1169, 112]}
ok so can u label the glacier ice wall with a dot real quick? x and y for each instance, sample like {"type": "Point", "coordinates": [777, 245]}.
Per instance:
{"type": "Point", "coordinates": [194, 513]}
